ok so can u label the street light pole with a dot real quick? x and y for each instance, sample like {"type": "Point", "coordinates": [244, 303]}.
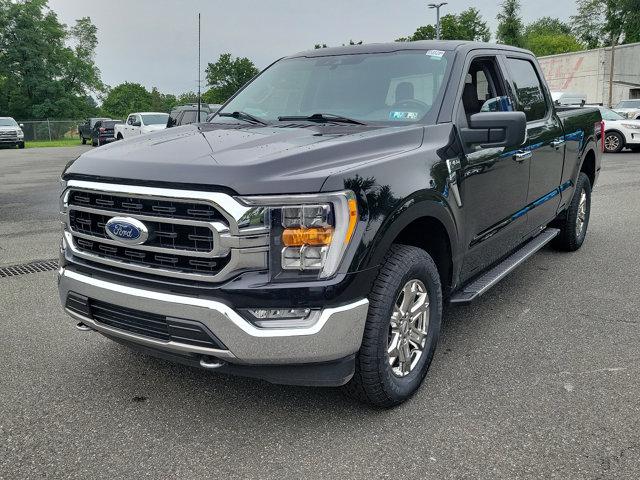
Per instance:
{"type": "Point", "coordinates": [437, 7]}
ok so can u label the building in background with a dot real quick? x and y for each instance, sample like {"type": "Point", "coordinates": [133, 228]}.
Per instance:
{"type": "Point", "coordinates": [588, 72]}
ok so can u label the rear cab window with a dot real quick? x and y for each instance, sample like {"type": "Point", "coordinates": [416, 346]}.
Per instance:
{"type": "Point", "coordinates": [529, 92]}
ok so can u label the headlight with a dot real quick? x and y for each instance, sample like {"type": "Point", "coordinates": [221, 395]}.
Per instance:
{"type": "Point", "coordinates": [20, 134]}
{"type": "Point", "coordinates": [633, 126]}
{"type": "Point", "coordinates": [309, 233]}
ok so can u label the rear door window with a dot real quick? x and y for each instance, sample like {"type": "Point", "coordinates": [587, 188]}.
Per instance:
{"type": "Point", "coordinates": [529, 92]}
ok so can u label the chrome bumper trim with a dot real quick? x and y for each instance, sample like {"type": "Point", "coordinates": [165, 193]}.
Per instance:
{"type": "Point", "coordinates": [336, 334]}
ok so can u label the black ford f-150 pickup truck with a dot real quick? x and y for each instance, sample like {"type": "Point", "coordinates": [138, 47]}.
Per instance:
{"type": "Point", "coordinates": [311, 232]}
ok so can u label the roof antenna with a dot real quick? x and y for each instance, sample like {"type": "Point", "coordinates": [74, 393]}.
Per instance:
{"type": "Point", "coordinates": [199, 78]}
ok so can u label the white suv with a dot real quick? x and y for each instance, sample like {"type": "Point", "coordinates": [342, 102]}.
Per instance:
{"type": "Point", "coordinates": [11, 133]}
{"type": "Point", "coordinates": [620, 132]}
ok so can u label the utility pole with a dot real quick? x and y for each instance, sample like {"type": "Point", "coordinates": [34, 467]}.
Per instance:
{"type": "Point", "coordinates": [612, 69]}
{"type": "Point", "coordinates": [437, 7]}
{"type": "Point", "coordinates": [199, 78]}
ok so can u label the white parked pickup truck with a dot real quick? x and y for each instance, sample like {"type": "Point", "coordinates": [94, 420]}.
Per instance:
{"type": "Point", "coordinates": [140, 123]}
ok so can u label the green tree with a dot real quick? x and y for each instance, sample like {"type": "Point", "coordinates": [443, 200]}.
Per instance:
{"type": "Point", "coordinates": [589, 23]}
{"type": "Point", "coordinates": [471, 26]}
{"type": "Point", "coordinates": [187, 97]}
{"type": "Point", "coordinates": [510, 27]}
{"type": "Point", "coordinates": [550, 36]}
{"type": "Point", "coordinates": [467, 25]}
{"type": "Point", "coordinates": [622, 20]}
{"type": "Point", "coordinates": [162, 102]}
{"type": "Point", "coordinates": [549, 44]}
{"type": "Point", "coordinates": [126, 98]}
{"type": "Point", "coordinates": [47, 69]}
{"type": "Point", "coordinates": [227, 76]}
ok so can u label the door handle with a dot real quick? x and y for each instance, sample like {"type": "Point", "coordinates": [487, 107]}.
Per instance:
{"type": "Point", "coordinates": [522, 155]}
{"type": "Point", "coordinates": [557, 143]}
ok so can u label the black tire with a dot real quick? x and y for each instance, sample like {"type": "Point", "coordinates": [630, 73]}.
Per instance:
{"type": "Point", "coordinates": [119, 137]}
{"type": "Point", "coordinates": [635, 149]}
{"type": "Point", "coordinates": [613, 142]}
{"type": "Point", "coordinates": [84, 140]}
{"type": "Point", "coordinates": [569, 240]}
{"type": "Point", "coordinates": [374, 381]}
{"type": "Point", "coordinates": [21, 145]}
{"type": "Point", "coordinates": [94, 143]}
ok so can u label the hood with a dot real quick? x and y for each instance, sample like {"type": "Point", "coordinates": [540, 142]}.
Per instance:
{"type": "Point", "coordinates": [248, 160]}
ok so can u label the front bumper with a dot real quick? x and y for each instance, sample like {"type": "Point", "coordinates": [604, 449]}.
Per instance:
{"type": "Point", "coordinates": [336, 334]}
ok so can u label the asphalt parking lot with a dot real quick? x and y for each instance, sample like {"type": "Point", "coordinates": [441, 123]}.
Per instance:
{"type": "Point", "coordinates": [538, 379]}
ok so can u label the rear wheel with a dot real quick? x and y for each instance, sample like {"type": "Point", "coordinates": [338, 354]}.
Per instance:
{"type": "Point", "coordinates": [402, 329]}
{"type": "Point", "coordinates": [613, 142]}
{"type": "Point", "coordinates": [573, 223]}
{"type": "Point", "coordinates": [84, 140]}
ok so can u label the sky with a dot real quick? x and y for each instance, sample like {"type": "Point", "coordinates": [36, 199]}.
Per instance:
{"type": "Point", "coordinates": [154, 42]}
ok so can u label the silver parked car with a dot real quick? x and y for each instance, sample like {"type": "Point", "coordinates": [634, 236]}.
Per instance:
{"type": "Point", "coordinates": [11, 133]}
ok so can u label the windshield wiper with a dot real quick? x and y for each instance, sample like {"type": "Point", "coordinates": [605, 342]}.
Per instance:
{"type": "Point", "coordinates": [321, 117]}
{"type": "Point", "coordinates": [242, 116]}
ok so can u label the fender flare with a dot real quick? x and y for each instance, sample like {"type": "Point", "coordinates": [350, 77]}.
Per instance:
{"type": "Point", "coordinates": [425, 204]}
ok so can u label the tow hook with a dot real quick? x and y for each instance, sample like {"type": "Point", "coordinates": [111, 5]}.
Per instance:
{"type": "Point", "coordinates": [210, 363]}
{"type": "Point", "coordinates": [82, 327]}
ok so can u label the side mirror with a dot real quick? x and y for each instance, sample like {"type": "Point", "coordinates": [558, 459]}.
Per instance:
{"type": "Point", "coordinates": [22, 125]}
{"type": "Point", "coordinates": [496, 129]}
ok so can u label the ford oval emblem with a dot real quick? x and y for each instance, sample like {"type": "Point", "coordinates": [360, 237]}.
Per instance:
{"type": "Point", "coordinates": [127, 230]}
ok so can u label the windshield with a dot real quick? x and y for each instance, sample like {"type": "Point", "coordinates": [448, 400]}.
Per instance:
{"type": "Point", "coordinates": [629, 104]}
{"type": "Point", "coordinates": [610, 115]}
{"type": "Point", "coordinates": [392, 87]}
{"type": "Point", "coordinates": [8, 122]}
{"type": "Point", "coordinates": [156, 119]}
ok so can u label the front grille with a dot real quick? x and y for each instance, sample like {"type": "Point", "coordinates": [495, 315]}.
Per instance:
{"type": "Point", "coordinates": [152, 325]}
{"type": "Point", "coordinates": [189, 235]}
{"type": "Point", "coordinates": [133, 256]}
{"type": "Point", "coordinates": [164, 235]}
{"type": "Point", "coordinates": [144, 206]}
{"type": "Point", "coordinates": [8, 134]}
{"type": "Point", "coordinates": [182, 234]}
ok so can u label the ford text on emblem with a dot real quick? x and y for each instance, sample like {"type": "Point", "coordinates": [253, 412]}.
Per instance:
{"type": "Point", "coordinates": [127, 230]}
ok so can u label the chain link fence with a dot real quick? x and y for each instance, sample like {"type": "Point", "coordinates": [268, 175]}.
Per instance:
{"type": "Point", "coordinates": [35, 130]}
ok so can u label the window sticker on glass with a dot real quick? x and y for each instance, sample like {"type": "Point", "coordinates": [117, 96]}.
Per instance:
{"type": "Point", "coordinates": [435, 53]}
{"type": "Point", "coordinates": [403, 115]}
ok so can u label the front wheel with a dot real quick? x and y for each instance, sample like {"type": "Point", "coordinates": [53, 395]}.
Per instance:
{"type": "Point", "coordinates": [21, 145]}
{"type": "Point", "coordinates": [573, 223]}
{"type": "Point", "coordinates": [613, 142]}
{"type": "Point", "coordinates": [402, 329]}
{"type": "Point", "coordinates": [84, 140]}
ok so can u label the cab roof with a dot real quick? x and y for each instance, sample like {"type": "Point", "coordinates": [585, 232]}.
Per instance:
{"type": "Point", "coordinates": [446, 45]}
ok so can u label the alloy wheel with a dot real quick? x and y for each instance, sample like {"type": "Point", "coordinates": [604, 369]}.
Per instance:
{"type": "Point", "coordinates": [611, 143]}
{"type": "Point", "coordinates": [582, 213]}
{"type": "Point", "coordinates": [408, 328]}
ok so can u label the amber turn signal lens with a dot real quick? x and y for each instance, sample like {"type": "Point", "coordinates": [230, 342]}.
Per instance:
{"type": "Point", "coordinates": [353, 219]}
{"type": "Point", "coordinates": [297, 237]}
